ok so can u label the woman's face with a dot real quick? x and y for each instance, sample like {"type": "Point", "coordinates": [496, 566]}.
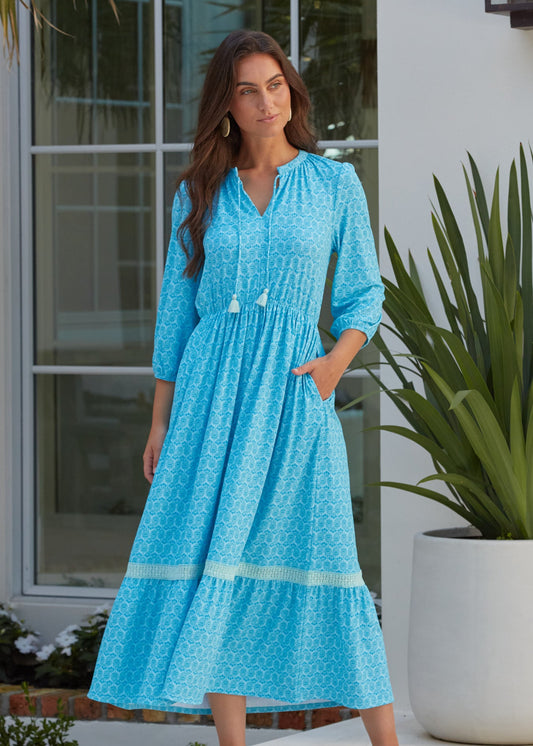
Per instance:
{"type": "Point", "coordinates": [261, 102]}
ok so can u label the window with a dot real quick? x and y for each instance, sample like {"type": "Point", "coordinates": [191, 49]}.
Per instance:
{"type": "Point", "coordinates": [108, 121]}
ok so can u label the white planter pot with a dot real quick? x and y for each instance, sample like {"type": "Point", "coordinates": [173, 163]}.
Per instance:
{"type": "Point", "coordinates": [470, 657]}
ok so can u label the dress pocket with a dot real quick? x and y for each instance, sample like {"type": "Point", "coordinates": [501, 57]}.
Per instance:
{"type": "Point", "coordinates": [314, 388]}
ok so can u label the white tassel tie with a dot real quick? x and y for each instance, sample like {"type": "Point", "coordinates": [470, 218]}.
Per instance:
{"type": "Point", "coordinates": [262, 300]}
{"type": "Point", "coordinates": [234, 306]}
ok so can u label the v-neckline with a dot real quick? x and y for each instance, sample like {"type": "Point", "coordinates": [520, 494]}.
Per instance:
{"type": "Point", "coordinates": [250, 200]}
{"type": "Point", "coordinates": [280, 169]}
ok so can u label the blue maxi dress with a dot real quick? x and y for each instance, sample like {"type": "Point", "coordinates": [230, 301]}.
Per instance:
{"type": "Point", "coordinates": [244, 577]}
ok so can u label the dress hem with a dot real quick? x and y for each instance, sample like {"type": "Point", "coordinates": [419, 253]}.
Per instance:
{"type": "Point", "coordinates": [164, 706]}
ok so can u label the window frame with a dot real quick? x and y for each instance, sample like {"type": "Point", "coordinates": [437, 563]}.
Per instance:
{"type": "Point", "coordinates": [30, 370]}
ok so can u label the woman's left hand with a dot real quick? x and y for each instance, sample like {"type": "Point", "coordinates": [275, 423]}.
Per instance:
{"type": "Point", "coordinates": [328, 369]}
{"type": "Point", "coordinates": [325, 372]}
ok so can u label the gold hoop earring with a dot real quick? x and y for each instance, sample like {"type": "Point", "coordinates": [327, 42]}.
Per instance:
{"type": "Point", "coordinates": [290, 115]}
{"type": "Point", "coordinates": [225, 126]}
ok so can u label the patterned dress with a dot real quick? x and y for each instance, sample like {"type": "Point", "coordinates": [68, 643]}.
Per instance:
{"type": "Point", "coordinates": [244, 577]}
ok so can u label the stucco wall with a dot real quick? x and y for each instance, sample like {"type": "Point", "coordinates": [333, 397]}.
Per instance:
{"type": "Point", "coordinates": [451, 78]}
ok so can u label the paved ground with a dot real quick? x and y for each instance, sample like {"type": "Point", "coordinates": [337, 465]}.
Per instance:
{"type": "Point", "coordinates": [104, 733]}
{"type": "Point", "coordinates": [346, 733]}
{"type": "Point", "coordinates": [352, 733]}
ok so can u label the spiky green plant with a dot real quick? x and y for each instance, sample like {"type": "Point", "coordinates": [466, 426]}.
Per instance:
{"type": "Point", "coordinates": [466, 387]}
{"type": "Point", "coordinates": [8, 19]}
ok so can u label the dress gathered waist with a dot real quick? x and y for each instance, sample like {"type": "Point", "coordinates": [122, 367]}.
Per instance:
{"type": "Point", "coordinates": [274, 307]}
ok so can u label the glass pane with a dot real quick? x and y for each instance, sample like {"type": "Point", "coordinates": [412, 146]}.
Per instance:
{"type": "Point", "coordinates": [338, 64]}
{"type": "Point", "coordinates": [365, 162]}
{"type": "Point", "coordinates": [90, 436]}
{"type": "Point", "coordinates": [94, 83]}
{"type": "Point", "coordinates": [362, 444]}
{"type": "Point", "coordinates": [192, 31]}
{"type": "Point", "coordinates": [94, 259]}
{"type": "Point", "coordinates": [363, 448]}
{"type": "Point", "coordinates": [174, 164]}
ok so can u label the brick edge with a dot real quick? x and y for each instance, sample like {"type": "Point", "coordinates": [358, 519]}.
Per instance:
{"type": "Point", "coordinates": [77, 705]}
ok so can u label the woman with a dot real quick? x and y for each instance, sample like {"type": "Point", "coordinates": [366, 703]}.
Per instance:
{"type": "Point", "coordinates": [243, 592]}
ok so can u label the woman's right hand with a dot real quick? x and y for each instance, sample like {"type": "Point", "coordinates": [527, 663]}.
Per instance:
{"type": "Point", "coordinates": [152, 451]}
{"type": "Point", "coordinates": [163, 395]}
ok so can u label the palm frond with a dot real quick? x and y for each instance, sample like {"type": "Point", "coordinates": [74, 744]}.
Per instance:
{"type": "Point", "coordinates": [9, 21]}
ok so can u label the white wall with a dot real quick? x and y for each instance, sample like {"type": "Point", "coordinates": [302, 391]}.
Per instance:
{"type": "Point", "coordinates": [9, 349]}
{"type": "Point", "coordinates": [451, 78]}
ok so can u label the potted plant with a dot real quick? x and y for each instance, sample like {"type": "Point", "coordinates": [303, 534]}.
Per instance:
{"type": "Point", "coordinates": [465, 388]}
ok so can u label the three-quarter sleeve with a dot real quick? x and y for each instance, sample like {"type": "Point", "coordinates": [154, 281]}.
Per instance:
{"type": "Point", "coordinates": [176, 314]}
{"type": "Point", "coordinates": [357, 291]}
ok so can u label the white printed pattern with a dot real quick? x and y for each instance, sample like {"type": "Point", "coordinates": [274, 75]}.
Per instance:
{"type": "Point", "coordinates": [243, 576]}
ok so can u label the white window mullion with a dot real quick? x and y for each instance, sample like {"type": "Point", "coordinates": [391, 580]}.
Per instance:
{"type": "Point", "coordinates": [94, 370]}
{"type": "Point", "coordinates": [347, 144]}
{"type": "Point", "coordinates": [295, 34]}
{"type": "Point", "coordinates": [160, 212]}
{"type": "Point", "coordinates": [56, 592]}
{"type": "Point", "coordinates": [27, 301]}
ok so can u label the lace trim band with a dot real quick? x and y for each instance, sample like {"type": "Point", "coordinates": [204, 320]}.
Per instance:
{"type": "Point", "coordinates": [243, 570]}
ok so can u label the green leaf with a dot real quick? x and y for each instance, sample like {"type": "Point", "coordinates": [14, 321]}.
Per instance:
{"type": "Point", "coordinates": [518, 332]}
{"type": "Point", "coordinates": [504, 366]}
{"type": "Point", "coordinates": [405, 283]}
{"type": "Point", "coordinates": [475, 217]}
{"type": "Point", "coordinates": [489, 443]}
{"type": "Point", "coordinates": [529, 475]}
{"type": "Point", "coordinates": [517, 442]}
{"type": "Point", "coordinates": [527, 264]}
{"type": "Point", "coordinates": [510, 280]}
{"type": "Point", "coordinates": [430, 445]}
{"type": "Point", "coordinates": [495, 240]}
{"type": "Point", "coordinates": [481, 200]}
{"type": "Point", "coordinates": [514, 218]}
{"type": "Point", "coordinates": [450, 310]}
{"type": "Point", "coordinates": [432, 495]}
{"type": "Point", "coordinates": [457, 246]}
{"type": "Point", "coordinates": [436, 426]}
{"type": "Point", "coordinates": [413, 272]}
{"type": "Point", "coordinates": [454, 275]}
{"type": "Point", "coordinates": [473, 378]}
{"type": "Point", "coordinates": [488, 510]}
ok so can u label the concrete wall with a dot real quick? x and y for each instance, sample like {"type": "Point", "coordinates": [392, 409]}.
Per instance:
{"type": "Point", "coordinates": [451, 78]}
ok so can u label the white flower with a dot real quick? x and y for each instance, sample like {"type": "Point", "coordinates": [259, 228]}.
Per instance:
{"type": "Point", "coordinates": [103, 609]}
{"type": "Point", "coordinates": [27, 644]}
{"type": "Point", "coordinates": [65, 638]}
{"type": "Point", "coordinates": [45, 652]}
{"type": "Point", "coordinates": [71, 628]}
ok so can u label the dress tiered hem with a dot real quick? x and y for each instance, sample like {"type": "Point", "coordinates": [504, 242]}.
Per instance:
{"type": "Point", "coordinates": [277, 642]}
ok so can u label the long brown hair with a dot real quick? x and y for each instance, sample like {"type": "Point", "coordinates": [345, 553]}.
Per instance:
{"type": "Point", "coordinates": [212, 154]}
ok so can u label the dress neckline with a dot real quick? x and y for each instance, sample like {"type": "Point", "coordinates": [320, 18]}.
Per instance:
{"type": "Point", "coordinates": [282, 170]}
{"type": "Point", "coordinates": [301, 155]}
